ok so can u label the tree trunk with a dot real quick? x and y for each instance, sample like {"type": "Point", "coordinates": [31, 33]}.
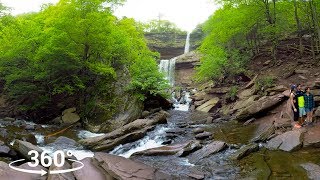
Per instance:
{"type": "Point", "coordinates": [315, 21]}
{"type": "Point", "coordinates": [298, 26]}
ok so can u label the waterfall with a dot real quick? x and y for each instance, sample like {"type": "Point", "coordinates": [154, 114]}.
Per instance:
{"type": "Point", "coordinates": [187, 47]}
{"type": "Point", "coordinates": [168, 68]}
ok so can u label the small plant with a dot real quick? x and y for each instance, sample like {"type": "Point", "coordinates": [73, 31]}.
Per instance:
{"type": "Point", "coordinates": [264, 83]}
{"type": "Point", "coordinates": [232, 95]}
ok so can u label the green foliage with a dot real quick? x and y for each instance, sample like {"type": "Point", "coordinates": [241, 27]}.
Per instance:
{"type": "Point", "coordinates": [239, 28]}
{"type": "Point", "coordinates": [264, 83]}
{"type": "Point", "coordinates": [161, 26]}
{"type": "Point", "coordinates": [75, 48]}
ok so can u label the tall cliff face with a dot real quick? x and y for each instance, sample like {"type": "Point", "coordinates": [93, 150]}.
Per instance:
{"type": "Point", "coordinates": [171, 45]}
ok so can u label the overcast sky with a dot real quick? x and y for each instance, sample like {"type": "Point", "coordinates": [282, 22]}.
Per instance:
{"type": "Point", "coordinates": [185, 13]}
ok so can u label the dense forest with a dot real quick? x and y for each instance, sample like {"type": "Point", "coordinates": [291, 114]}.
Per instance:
{"type": "Point", "coordinates": [75, 53]}
{"type": "Point", "coordinates": [243, 29]}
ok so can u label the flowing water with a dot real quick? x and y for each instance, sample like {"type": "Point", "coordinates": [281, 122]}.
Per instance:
{"type": "Point", "coordinates": [187, 46]}
{"type": "Point", "coordinates": [167, 67]}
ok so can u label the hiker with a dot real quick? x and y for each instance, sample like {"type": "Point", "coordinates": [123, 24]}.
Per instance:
{"type": "Point", "coordinates": [294, 102]}
{"type": "Point", "coordinates": [300, 100]}
{"type": "Point", "coordinates": [309, 105]}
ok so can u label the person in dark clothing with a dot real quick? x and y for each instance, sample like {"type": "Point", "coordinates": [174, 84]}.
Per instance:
{"type": "Point", "coordinates": [294, 102]}
{"type": "Point", "coordinates": [309, 104]}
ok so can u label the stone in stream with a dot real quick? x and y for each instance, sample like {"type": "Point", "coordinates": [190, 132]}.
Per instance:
{"type": "Point", "coordinates": [207, 106]}
{"type": "Point", "coordinates": [91, 171]}
{"type": "Point", "coordinates": [288, 141]}
{"type": "Point", "coordinates": [198, 130]}
{"type": "Point", "coordinates": [125, 134]}
{"type": "Point", "coordinates": [109, 144]}
{"type": "Point", "coordinates": [181, 149]}
{"type": "Point", "coordinates": [262, 105]}
{"type": "Point", "coordinates": [204, 135]}
{"type": "Point", "coordinates": [245, 151]}
{"type": "Point", "coordinates": [212, 148]}
{"type": "Point", "coordinates": [317, 113]}
{"type": "Point", "coordinates": [23, 148]}
{"type": "Point", "coordinates": [63, 142]}
{"type": "Point", "coordinates": [7, 173]}
{"type": "Point", "coordinates": [123, 168]}
{"type": "Point", "coordinates": [313, 170]}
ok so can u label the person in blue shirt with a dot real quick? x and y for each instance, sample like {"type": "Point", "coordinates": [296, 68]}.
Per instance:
{"type": "Point", "coordinates": [309, 104]}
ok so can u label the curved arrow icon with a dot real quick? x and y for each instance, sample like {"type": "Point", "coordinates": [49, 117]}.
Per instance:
{"type": "Point", "coordinates": [42, 172]}
{"type": "Point", "coordinates": [68, 170]}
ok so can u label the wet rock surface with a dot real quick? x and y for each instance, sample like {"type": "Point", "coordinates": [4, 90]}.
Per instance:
{"type": "Point", "coordinates": [288, 141]}
{"type": "Point", "coordinates": [206, 151]}
{"type": "Point", "coordinates": [245, 151]}
{"type": "Point", "coordinates": [177, 149]}
{"type": "Point", "coordinates": [313, 170]}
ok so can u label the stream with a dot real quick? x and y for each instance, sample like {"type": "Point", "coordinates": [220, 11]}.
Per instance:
{"type": "Point", "coordinates": [263, 164]}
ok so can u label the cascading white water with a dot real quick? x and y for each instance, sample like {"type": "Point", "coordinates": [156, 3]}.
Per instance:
{"type": "Point", "coordinates": [168, 67]}
{"type": "Point", "coordinates": [187, 46]}
{"type": "Point", "coordinates": [157, 137]}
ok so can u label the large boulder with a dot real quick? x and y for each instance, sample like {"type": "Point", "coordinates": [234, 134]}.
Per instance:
{"type": "Point", "coordinates": [63, 143]}
{"type": "Point", "coordinates": [245, 102]}
{"type": "Point", "coordinates": [207, 106]}
{"type": "Point", "coordinates": [262, 105]}
{"type": "Point", "coordinates": [288, 141]}
{"type": "Point", "coordinates": [122, 168]}
{"type": "Point", "coordinates": [70, 118]}
{"type": "Point", "coordinates": [312, 137]}
{"type": "Point", "coordinates": [23, 148]}
{"type": "Point", "coordinates": [7, 173]}
{"type": "Point", "coordinates": [62, 176]}
{"type": "Point", "coordinates": [128, 133]}
{"type": "Point", "coordinates": [91, 171]}
{"type": "Point", "coordinates": [181, 149]}
{"type": "Point", "coordinates": [212, 148]}
{"type": "Point", "coordinates": [263, 132]}
{"type": "Point", "coordinates": [109, 144]}
{"type": "Point", "coordinates": [313, 170]}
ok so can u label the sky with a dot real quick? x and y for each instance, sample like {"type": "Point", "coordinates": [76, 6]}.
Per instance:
{"type": "Point", "coordinates": [186, 14]}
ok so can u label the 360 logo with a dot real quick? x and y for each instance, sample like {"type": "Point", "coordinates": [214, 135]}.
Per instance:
{"type": "Point", "coordinates": [58, 160]}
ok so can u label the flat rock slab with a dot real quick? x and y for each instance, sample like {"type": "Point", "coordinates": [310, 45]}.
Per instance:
{"type": "Point", "coordinates": [313, 170]}
{"type": "Point", "coordinates": [312, 137]}
{"type": "Point", "coordinates": [177, 149]}
{"type": "Point", "coordinates": [91, 171]}
{"type": "Point", "coordinates": [206, 151]}
{"type": "Point", "coordinates": [123, 168]}
{"type": "Point", "coordinates": [263, 132]}
{"type": "Point", "coordinates": [6, 173]}
{"type": "Point", "coordinates": [288, 141]}
{"type": "Point", "coordinates": [207, 106]}
{"type": "Point", "coordinates": [245, 151]}
{"type": "Point", "coordinates": [264, 104]}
